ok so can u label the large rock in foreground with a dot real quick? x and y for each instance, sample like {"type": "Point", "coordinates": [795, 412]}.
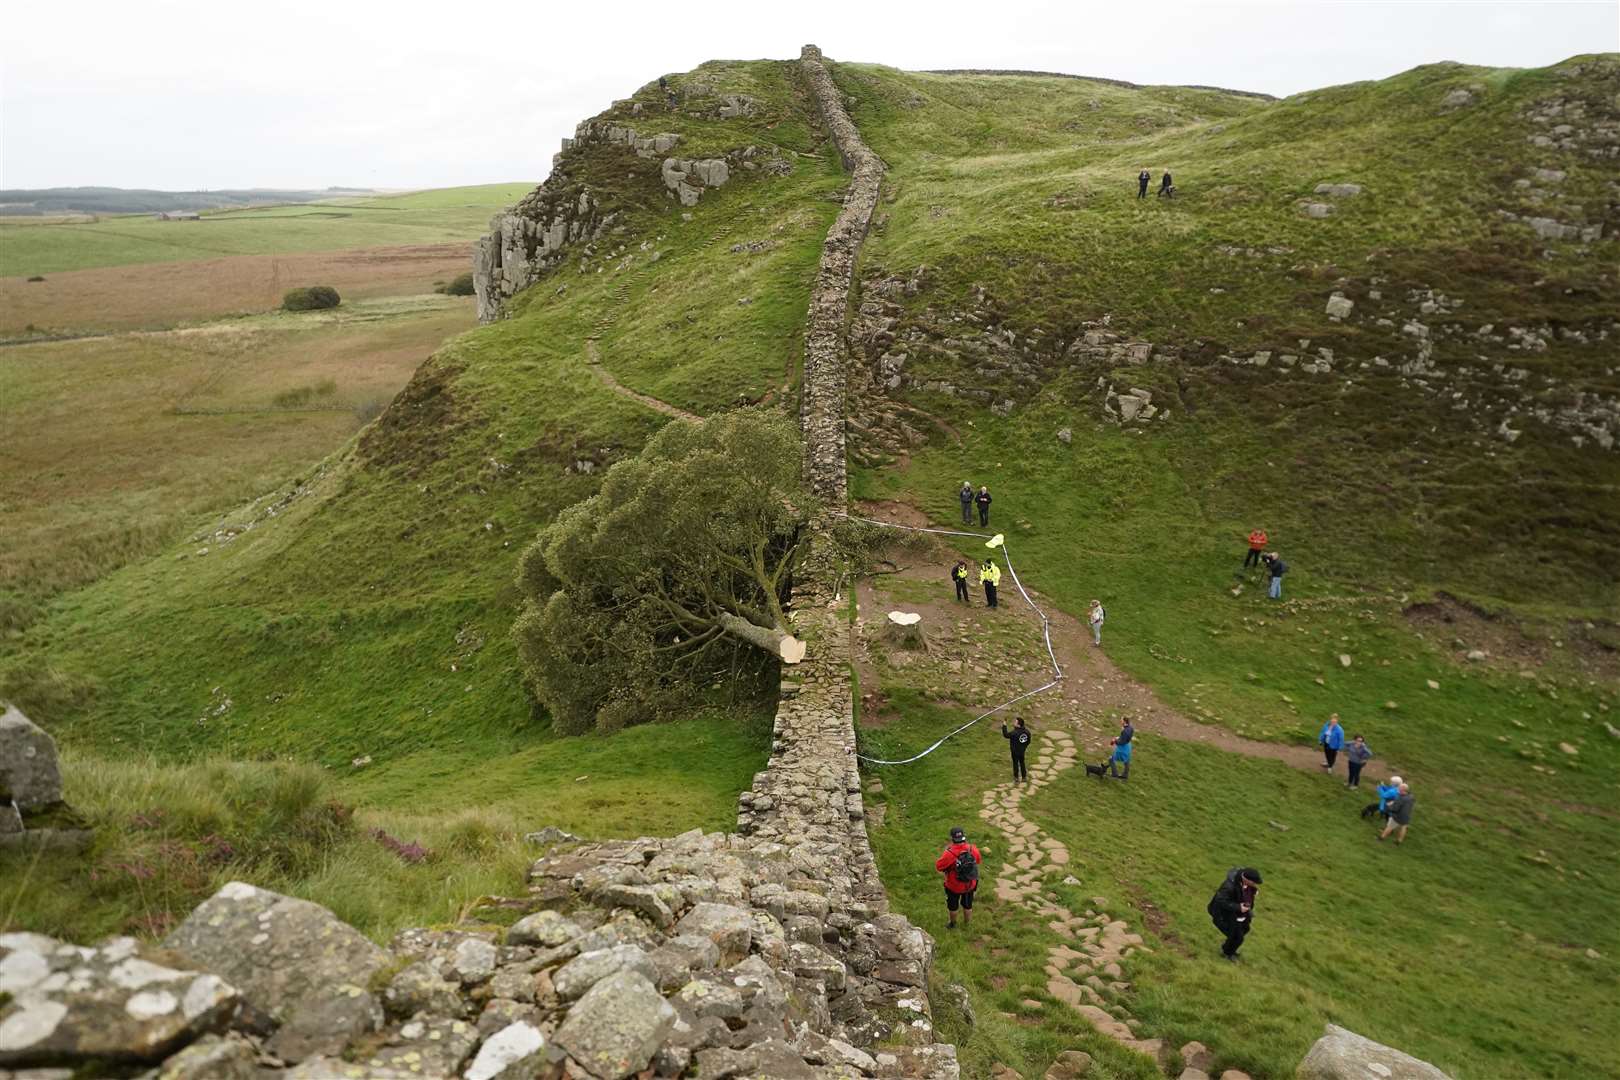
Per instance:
{"type": "Point", "coordinates": [29, 773]}
{"type": "Point", "coordinates": [65, 1004]}
{"type": "Point", "coordinates": [1343, 1055]}
{"type": "Point", "coordinates": [295, 963]}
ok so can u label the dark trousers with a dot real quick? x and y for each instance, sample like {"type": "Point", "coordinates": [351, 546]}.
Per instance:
{"type": "Point", "coordinates": [1019, 770]}
{"type": "Point", "coordinates": [984, 515]}
{"type": "Point", "coordinates": [1252, 559]}
{"type": "Point", "coordinates": [1141, 189]}
{"type": "Point", "coordinates": [967, 513]}
{"type": "Point", "coordinates": [1113, 768]}
{"type": "Point", "coordinates": [1235, 933]}
{"type": "Point", "coordinates": [961, 590]}
{"type": "Point", "coordinates": [1330, 754]}
{"type": "Point", "coordinates": [1355, 772]}
{"type": "Point", "coordinates": [989, 594]}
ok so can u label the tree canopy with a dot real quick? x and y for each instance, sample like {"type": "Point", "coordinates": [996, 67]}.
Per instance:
{"type": "Point", "coordinates": [676, 570]}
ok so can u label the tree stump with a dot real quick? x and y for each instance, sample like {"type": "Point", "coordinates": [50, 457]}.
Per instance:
{"type": "Point", "coordinates": [904, 630]}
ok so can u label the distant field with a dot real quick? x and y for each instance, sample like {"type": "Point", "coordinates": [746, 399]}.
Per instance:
{"type": "Point", "coordinates": [196, 420]}
{"type": "Point", "coordinates": [163, 294]}
{"type": "Point", "coordinates": [450, 215]}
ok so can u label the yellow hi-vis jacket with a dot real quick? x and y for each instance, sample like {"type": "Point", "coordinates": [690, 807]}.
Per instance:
{"type": "Point", "coordinates": [991, 574]}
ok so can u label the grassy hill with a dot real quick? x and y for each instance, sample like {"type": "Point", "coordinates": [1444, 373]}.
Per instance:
{"type": "Point", "coordinates": [431, 217]}
{"type": "Point", "coordinates": [362, 612]}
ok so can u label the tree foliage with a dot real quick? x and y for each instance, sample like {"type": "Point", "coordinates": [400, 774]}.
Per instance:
{"type": "Point", "coordinates": [675, 572]}
{"type": "Point", "coordinates": [313, 298]}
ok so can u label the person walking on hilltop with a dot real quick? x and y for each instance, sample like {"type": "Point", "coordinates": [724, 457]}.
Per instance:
{"type": "Point", "coordinates": [1095, 616]}
{"type": "Point", "coordinates": [1143, 179]}
{"type": "Point", "coordinates": [1356, 755]}
{"type": "Point", "coordinates": [1018, 739]}
{"type": "Point", "coordinates": [1122, 750]}
{"type": "Point", "coordinates": [1165, 186]}
{"type": "Point", "coordinates": [1276, 568]}
{"type": "Point", "coordinates": [959, 574]}
{"type": "Point", "coordinates": [983, 499]}
{"type": "Point", "coordinates": [1332, 739]}
{"type": "Point", "coordinates": [965, 495]}
{"type": "Point", "coordinates": [960, 864]}
{"type": "Point", "coordinates": [1400, 815]}
{"type": "Point", "coordinates": [1257, 546]}
{"type": "Point", "coordinates": [990, 577]}
{"type": "Point", "coordinates": [1232, 908]}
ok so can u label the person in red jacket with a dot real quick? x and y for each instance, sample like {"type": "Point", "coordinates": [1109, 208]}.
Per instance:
{"type": "Point", "coordinates": [960, 864]}
{"type": "Point", "coordinates": [1257, 543]}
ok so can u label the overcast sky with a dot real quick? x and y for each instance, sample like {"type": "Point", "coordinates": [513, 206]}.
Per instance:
{"type": "Point", "coordinates": [182, 94]}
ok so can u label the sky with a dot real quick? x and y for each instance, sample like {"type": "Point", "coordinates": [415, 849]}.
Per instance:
{"type": "Point", "coordinates": [181, 94]}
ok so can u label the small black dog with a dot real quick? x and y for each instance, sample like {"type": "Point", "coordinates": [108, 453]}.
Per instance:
{"type": "Point", "coordinates": [1096, 770]}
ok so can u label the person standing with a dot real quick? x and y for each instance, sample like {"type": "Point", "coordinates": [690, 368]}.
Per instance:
{"type": "Point", "coordinates": [1357, 754]}
{"type": "Point", "coordinates": [1276, 568]}
{"type": "Point", "coordinates": [1165, 186]}
{"type": "Point", "coordinates": [960, 864]}
{"type": "Point", "coordinates": [1400, 815]}
{"type": "Point", "coordinates": [1232, 908]}
{"type": "Point", "coordinates": [983, 499]}
{"type": "Point", "coordinates": [966, 497]}
{"type": "Point", "coordinates": [1257, 545]}
{"type": "Point", "coordinates": [1386, 793]}
{"type": "Point", "coordinates": [1143, 179]}
{"type": "Point", "coordinates": [1018, 741]}
{"type": "Point", "coordinates": [1095, 617]}
{"type": "Point", "coordinates": [1332, 739]}
{"type": "Point", "coordinates": [1122, 750]}
{"type": "Point", "coordinates": [990, 577]}
{"type": "Point", "coordinates": [959, 574]}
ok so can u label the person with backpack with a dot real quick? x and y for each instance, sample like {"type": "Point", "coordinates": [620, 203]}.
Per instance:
{"type": "Point", "coordinates": [1386, 792]}
{"type": "Point", "coordinates": [983, 499]}
{"type": "Point", "coordinates": [1276, 568]}
{"type": "Point", "coordinates": [1165, 186]}
{"type": "Point", "coordinates": [960, 864]}
{"type": "Point", "coordinates": [1095, 617]}
{"type": "Point", "coordinates": [1232, 907]}
{"type": "Point", "coordinates": [965, 496]}
{"type": "Point", "coordinates": [1332, 739]}
{"type": "Point", "coordinates": [1122, 750]}
{"type": "Point", "coordinates": [1018, 740]}
{"type": "Point", "coordinates": [959, 574]}
{"type": "Point", "coordinates": [1143, 179]}
{"type": "Point", "coordinates": [1356, 755]}
{"type": "Point", "coordinates": [990, 577]}
{"type": "Point", "coordinates": [1257, 546]}
{"type": "Point", "coordinates": [1400, 814]}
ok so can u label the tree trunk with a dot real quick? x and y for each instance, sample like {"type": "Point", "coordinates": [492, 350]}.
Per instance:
{"type": "Point", "coordinates": [789, 648]}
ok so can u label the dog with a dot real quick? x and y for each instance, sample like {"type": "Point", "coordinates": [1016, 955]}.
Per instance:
{"type": "Point", "coordinates": [1096, 770]}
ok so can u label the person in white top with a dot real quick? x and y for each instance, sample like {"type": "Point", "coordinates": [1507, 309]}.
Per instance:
{"type": "Point", "coordinates": [1096, 619]}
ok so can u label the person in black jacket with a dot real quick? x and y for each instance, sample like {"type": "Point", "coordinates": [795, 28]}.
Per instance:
{"type": "Point", "coordinates": [1232, 907]}
{"type": "Point", "coordinates": [1018, 739]}
{"type": "Point", "coordinates": [1143, 179]}
{"type": "Point", "coordinates": [959, 574]}
{"type": "Point", "coordinates": [1165, 186]}
{"type": "Point", "coordinates": [983, 499]}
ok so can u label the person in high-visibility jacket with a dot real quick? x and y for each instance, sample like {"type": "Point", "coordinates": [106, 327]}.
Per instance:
{"type": "Point", "coordinates": [990, 577]}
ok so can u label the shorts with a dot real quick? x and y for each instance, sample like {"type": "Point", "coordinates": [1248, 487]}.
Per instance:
{"type": "Point", "coordinates": [963, 900]}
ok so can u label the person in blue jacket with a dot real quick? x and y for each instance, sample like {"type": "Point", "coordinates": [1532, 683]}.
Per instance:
{"type": "Point", "coordinates": [1386, 794]}
{"type": "Point", "coordinates": [1122, 750]}
{"type": "Point", "coordinates": [1332, 740]}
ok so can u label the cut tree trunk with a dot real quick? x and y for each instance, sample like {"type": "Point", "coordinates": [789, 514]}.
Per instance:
{"type": "Point", "coordinates": [789, 648]}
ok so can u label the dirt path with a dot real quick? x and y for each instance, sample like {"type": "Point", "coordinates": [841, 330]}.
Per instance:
{"type": "Point", "coordinates": [593, 360]}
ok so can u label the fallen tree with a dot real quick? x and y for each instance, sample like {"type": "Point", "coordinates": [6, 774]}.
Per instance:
{"type": "Point", "coordinates": [674, 573]}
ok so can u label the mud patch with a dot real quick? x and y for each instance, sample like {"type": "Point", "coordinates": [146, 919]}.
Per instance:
{"type": "Point", "coordinates": [1461, 627]}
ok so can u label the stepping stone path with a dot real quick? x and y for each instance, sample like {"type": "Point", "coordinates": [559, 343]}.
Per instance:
{"type": "Point", "coordinates": [1084, 970]}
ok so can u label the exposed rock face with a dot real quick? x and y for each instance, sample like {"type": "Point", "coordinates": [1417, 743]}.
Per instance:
{"type": "Point", "coordinates": [1343, 1055]}
{"type": "Point", "coordinates": [294, 962]}
{"type": "Point", "coordinates": [32, 813]}
{"type": "Point", "coordinates": [69, 1005]}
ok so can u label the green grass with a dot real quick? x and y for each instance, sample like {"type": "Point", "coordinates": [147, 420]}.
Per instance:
{"type": "Point", "coordinates": [449, 215]}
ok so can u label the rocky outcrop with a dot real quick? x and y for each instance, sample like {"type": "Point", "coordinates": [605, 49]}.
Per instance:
{"type": "Point", "coordinates": [32, 812]}
{"type": "Point", "coordinates": [1343, 1055]}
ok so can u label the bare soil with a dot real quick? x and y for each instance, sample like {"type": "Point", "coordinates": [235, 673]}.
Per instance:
{"type": "Point", "coordinates": [1511, 644]}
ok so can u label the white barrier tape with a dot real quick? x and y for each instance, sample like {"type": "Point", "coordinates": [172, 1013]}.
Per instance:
{"type": "Point", "coordinates": [1046, 635]}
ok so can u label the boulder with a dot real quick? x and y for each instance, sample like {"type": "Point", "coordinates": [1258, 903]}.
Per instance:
{"type": "Point", "coordinates": [211, 1057]}
{"type": "Point", "coordinates": [64, 1004]}
{"type": "Point", "coordinates": [546, 929]}
{"type": "Point", "coordinates": [425, 1047]}
{"type": "Point", "coordinates": [326, 1022]}
{"type": "Point", "coordinates": [1343, 1055]}
{"type": "Point", "coordinates": [1338, 191]}
{"type": "Point", "coordinates": [587, 969]}
{"type": "Point", "coordinates": [29, 774]}
{"type": "Point", "coordinates": [1070, 1065]}
{"type": "Point", "coordinates": [419, 988]}
{"type": "Point", "coordinates": [1318, 210]}
{"type": "Point", "coordinates": [513, 1053]}
{"type": "Point", "coordinates": [285, 955]}
{"type": "Point", "coordinates": [617, 1027]}
{"type": "Point", "coordinates": [1339, 306]}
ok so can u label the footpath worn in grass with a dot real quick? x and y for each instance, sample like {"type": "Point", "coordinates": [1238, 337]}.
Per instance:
{"type": "Point", "coordinates": [429, 217]}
